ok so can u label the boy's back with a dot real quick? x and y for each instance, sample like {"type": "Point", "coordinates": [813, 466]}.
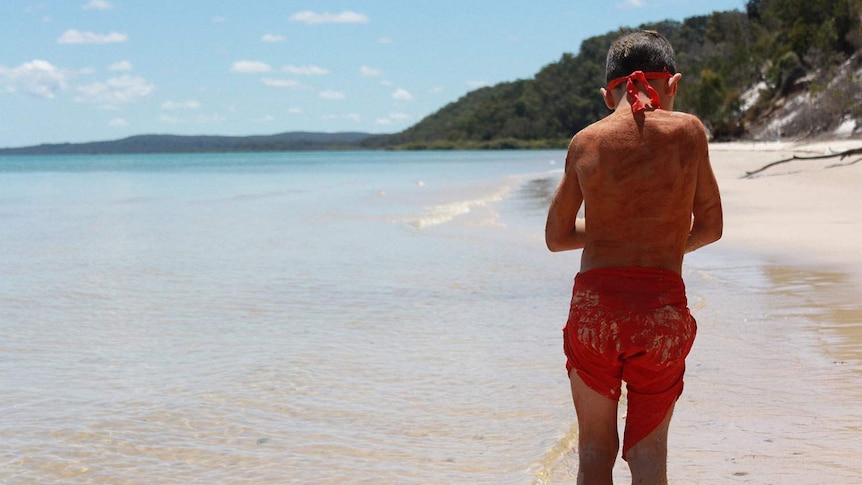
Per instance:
{"type": "Point", "coordinates": [642, 173]}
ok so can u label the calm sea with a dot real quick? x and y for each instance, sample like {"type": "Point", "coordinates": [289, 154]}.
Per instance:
{"type": "Point", "coordinates": [269, 318]}
{"type": "Point", "coordinates": [325, 318]}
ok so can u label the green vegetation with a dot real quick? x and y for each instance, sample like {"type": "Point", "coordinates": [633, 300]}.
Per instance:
{"type": "Point", "coordinates": [790, 46]}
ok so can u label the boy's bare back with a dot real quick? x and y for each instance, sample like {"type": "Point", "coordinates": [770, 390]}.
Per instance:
{"type": "Point", "coordinates": [643, 179]}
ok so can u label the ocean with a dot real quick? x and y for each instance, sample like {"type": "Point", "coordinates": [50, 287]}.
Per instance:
{"type": "Point", "coordinates": [303, 317]}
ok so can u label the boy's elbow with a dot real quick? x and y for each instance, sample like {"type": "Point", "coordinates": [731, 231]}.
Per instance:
{"type": "Point", "coordinates": [554, 244]}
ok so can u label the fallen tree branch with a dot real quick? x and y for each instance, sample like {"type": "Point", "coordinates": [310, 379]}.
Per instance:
{"type": "Point", "coordinates": [842, 155]}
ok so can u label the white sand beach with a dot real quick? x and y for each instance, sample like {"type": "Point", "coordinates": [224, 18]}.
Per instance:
{"type": "Point", "coordinates": [772, 395]}
{"type": "Point", "coordinates": [809, 211]}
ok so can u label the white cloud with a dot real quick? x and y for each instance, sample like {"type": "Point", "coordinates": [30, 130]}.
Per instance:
{"type": "Point", "coordinates": [478, 84]}
{"type": "Point", "coordinates": [250, 67]}
{"type": "Point", "coordinates": [98, 5]}
{"type": "Point", "coordinates": [350, 116]}
{"type": "Point", "coordinates": [73, 36]}
{"type": "Point", "coordinates": [402, 95]}
{"type": "Point", "coordinates": [185, 105]}
{"type": "Point", "coordinates": [345, 17]}
{"type": "Point", "coordinates": [370, 71]}
{"type": "Point", "coordinates": [118, 123]}
{"type": "Point", "coordinates": [305, 70]}
{"type": "Point", "coordinates": [122, 66]}
{"type": "Point", "coordinates": [384, 40]}
{"type": "Point", "coordinates": [631, 4]}
{"type": "Point", "coordinates": [295, 111]}
{"type": "Point", "coordinates": [332, 95]}
{"type": "Point", "coordinates": [169, 120]}
{"type": "Point", "coordinates": [115, 91]}
{"type": "Point", "coordinates": [218, 20]}
{"type": "Point", "coordinates": [37, 78]}
{"type": "Point", "coordinates": [436, 89]}
{"type": "Point", "coordinates": [393, 118]}
{"type": "Point", "coordinates": [279, 83]}
{"type": "Point", "coordinates": [272, 38]}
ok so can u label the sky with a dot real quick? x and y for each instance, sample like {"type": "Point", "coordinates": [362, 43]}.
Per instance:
{"type": "Point", "coordinates": [91, 70]}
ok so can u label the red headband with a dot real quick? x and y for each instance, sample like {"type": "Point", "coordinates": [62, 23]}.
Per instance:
{"type": "Point", "coordinates": [640, 76]}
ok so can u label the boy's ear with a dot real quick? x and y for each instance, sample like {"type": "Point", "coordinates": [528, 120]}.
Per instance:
{"type": "Point", "coordinates": [673, 84]}
{"type": "Point", "coordinates": [610, 102]}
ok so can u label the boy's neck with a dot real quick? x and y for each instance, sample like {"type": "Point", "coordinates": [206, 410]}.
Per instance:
{"type": "Point", "coordinates": [666, 101]}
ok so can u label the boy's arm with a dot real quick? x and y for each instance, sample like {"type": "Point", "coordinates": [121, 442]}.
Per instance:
{"type": "Point", "coordinates": [563, 231]}
{"type": "Point", "coordinates": [707, 223]}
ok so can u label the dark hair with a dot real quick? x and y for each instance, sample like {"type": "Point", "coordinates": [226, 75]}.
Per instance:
{"type": "Point", "coordinates": [643, 50]}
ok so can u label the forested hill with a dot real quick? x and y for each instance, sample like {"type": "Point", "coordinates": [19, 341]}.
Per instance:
{"type": "Point", "coordinates": [781, 68]}
{"type": "Point", "coordinates": [187, 144]}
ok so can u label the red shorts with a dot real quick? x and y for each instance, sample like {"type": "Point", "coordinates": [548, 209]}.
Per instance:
{"type": "Point", "coordinates": [633, 325]}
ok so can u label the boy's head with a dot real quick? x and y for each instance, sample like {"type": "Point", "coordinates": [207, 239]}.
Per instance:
{"type": "Point", "coordinates": [644, 50]}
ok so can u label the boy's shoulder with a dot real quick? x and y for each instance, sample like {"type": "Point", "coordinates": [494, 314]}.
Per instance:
{"type": "Point", "coordinates": [676, 123]}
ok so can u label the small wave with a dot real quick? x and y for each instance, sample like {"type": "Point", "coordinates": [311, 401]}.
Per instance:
{"type": "Point", "coordinates": [443, 213]}
{"type": "Point", "coordinates": [554, 463]}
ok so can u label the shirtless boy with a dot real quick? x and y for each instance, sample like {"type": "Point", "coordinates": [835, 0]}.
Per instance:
{"type": "Point", "coordinates": [650, 196]}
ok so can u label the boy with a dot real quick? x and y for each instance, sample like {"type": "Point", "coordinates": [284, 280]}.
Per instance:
{"type": "Point", "coordinates": [650, 196]}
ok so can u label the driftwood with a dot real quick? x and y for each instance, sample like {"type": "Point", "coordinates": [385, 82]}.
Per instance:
{"type": "Point", "coordinates": [842, 155]}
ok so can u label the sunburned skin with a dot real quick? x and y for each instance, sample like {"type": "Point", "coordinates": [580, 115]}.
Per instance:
{"type": "Point", "coordinates": [648, 189]}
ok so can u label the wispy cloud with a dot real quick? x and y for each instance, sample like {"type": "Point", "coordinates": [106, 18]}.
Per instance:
{"type": "Point", "coordinates": [98, 5]}
{"type": "Point", "coordinates": [349, 116]}
{"type": "Point", "coordinates": [279, 83]}
{"type": "Point", "coordinates": [631, 4]}
{"type": "Point", "coordinates": [250, 67]}
{"type": "Point", "coordinates": [272, 38]}
{"type": "Point", "coordinates": [370, 71]}
{"type": "Point", "coordinates": [393, 118]}
{"type": "Point", "coordinates": [36, 78]}
{"type": "Point", "coordinates": [478, 84]}
{"type": "Point", "coordinates": [73, 36]}
{"type": "Point", "coordinates": [116, 91]}
{"type": "Point", "coordinates": [122, 66]}
{"type": "Point", "coordinates": [345, 17]}
{"type": "Point", "coordinates": [334, 95]}
{"type": "Point", "coordinates": [402, 95]}
{"type": "Point", "coordinates": [183, 105]}
{"type": "Point", "coordinates": [118, 123]}
{"type": "Point", "coordinates": [305, 70]}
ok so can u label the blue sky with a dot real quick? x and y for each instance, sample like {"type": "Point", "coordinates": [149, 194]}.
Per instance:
{"type": "Point", "coordinates": [87, 70]}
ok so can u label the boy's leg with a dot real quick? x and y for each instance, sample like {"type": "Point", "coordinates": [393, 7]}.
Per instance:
{"type": "Point", "coordinates": [598, 439]}
{"type": "Point", "coordinates": [648, 458]}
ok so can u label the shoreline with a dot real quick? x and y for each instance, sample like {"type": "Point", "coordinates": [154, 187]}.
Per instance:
{"type": "Point", "coordinates": [805, 211]}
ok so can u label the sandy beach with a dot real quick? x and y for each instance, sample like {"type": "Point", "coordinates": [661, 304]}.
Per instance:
{"type": "Point", "coordinates": [805, 211]}
{"type": "Point", "coordinates": [772, 396]}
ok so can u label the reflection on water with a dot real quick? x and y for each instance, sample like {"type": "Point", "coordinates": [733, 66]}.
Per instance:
{"type": "Point", "coordinates": [827, 300]}
{"type": "Point", "coordinates": [537, 193]}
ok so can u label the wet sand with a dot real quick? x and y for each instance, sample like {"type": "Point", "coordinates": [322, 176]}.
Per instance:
{"type": "Point", "coordinates": [772, 394]}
